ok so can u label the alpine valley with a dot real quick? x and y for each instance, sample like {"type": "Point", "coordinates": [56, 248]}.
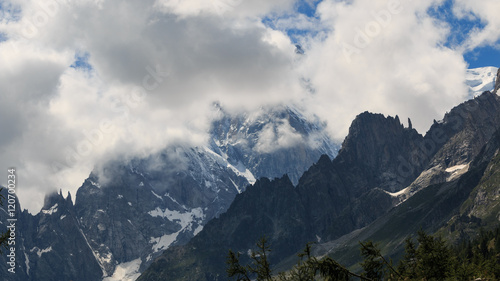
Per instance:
{"type": "Point", "coordinates": [274, 173]}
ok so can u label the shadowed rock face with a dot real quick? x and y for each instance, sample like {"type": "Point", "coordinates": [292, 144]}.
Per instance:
{"type": "Point", "coordinates": [126, 214]}
{"type": "Point", "coordinates": [455, 209]}
{"type": "Point", "coordinates": [50, 245]}
{"type": "Point", "coordinates": [454, 142]}
{"type": "Point", "coordinates": [332, 198]}
{"type": "Point", "coordinates": [377, 145]}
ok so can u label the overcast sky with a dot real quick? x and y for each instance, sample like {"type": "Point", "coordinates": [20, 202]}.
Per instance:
{"type": "Point", "coordinates": [85, 81]}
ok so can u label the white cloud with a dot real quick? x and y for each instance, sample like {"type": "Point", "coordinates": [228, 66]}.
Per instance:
{"type": "Point", "coordinates": [486, 11]}
{"type": "Point", "coordinates": [382, 56]}
{"type": "Point", "coordinates": [277, 136]}
{"type": "Point", "coordinates": [155, 74]}
{"type": "Point", "coordinates": [231, 9]}
{"type": "Point", "coordinates": [157, 67]}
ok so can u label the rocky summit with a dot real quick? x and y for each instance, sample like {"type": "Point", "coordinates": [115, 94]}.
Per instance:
{"type": "Point", "coordinates": [332, 198]}
{"type": "Point", "coordinates": [381, 171]}
{"type": "Point", "coordinates": [127, 212]}
{"type": "Point", "coordinates": [174, 215]}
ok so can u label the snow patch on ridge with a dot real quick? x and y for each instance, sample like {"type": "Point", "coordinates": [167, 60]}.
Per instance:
{"type": "Point", "coordinates": [198, 230]}
{"type": "Point", "coordinates": [27, 261]}
{"type": "Point", "coordinates": [455, 168]}
{"type": "Point", "coordinates": [239, 169]}
{"type": "Point", "coordinates": [96, 184]}
{"type": "Point", "coordinates": [40, 252]}
{"type": "Point", "coordinates": [158, 196]}
{"type": "Point", "coordinates": [456, 171]}
{"type": "Point", "coordinates": [50, 211]}
{"type": "Point", "coordinates": [127, 271]}
{"type": "Point", "coordinates": [398, 193]}
{"type": "Point", "coordinates": [163, 242]}
{"type": "Point", "coordinates": [185, 219]}
{"type": "Point", "coordinates": [175, 201]}
{"type": "Point", "coordinates": [105, 258]}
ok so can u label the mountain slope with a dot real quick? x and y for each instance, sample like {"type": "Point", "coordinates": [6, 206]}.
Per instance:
{"type": "Point", "coordinates": [51, 245]}
{"type": "Point", "coordinates": [442, 196]}
{"type": "Point", "coordinates": [330, 200]}
{"type": "Point", "coordinates": [451, 144]}
{"type": "Point", "coordinates": [438, 207]}
{"type": "Point", "coordinates": [128, 211]}
{"type": "Point", "coordinates": [164, 200]}
{"type": "Point", "coordinates": [381, 164]}
{"type": "Point", "coordinates": [481, 209]}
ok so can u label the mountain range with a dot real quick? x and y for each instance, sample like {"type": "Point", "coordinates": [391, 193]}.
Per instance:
{"type": "Point", "coordinates": [385, 184]}
{"type": "Point", "coordinates": [126, 213]}
{"type": "Point", "coordinates": [275, 172]}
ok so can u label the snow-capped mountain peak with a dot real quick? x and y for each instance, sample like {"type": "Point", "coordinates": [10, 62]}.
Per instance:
{"type": "Point", "coordinates": [480, 79]}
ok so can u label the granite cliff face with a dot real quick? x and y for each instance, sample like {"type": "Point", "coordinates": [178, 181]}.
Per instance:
{"type": "Point", "coordinates": [51, 245]}
{"type": "Point", "coordinates": [181, 199]}
{"type": "Point", "coordinates": [332, 198]}
{"type": "Point", "coordinates": [456, 209]}
{"type": "Point", "coordinates": [451, 144]}
{"type": "Point", "coordinates": [481, 209]}
{"type": "Point", "coordinates": [497, 82]}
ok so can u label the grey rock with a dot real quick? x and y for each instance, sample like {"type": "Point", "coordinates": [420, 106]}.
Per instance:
{"type": "Point", "coordinates": [497, 82]}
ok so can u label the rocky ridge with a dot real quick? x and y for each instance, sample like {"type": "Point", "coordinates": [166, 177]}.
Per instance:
{"type": "Point", "coordinates": [379, 163]}
{"type": "Point", "coordinates": [128, 212]}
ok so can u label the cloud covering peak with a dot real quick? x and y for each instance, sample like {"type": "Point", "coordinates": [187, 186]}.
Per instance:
{"type": "Point", "coordinates": [88, 81]}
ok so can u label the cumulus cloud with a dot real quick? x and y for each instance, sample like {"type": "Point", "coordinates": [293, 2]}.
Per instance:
{"type": "Point", "coordinates": [84, 82]}
{"type": "Point", "coordinates": [487, 13]}
{"type": "Point", "coordinates": [277, 136]}
{"type": "Point", "coordinates": [382, 56]}
{"type": "Point", "coordinates": [151, 75]}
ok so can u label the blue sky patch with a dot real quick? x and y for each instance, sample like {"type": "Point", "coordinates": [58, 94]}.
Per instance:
{"type": "Point", "coordinates": [460, 31]}
{"type": "Point", "coordinates": [460, 27]}
{"type": "Point", "coordinates": [305, 8]}
{"type": "Point", "coordinates": [82, 62]}
{"type": "Point", "coordinates": [9, 12]}
{"type": "Point", "coordinates": [483, 56]}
